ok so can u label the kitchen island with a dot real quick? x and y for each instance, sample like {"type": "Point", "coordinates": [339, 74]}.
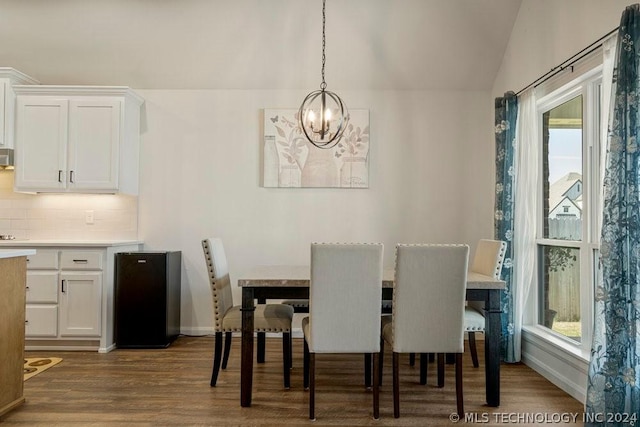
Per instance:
{"type": "Point", "coordinates": [13, 277]}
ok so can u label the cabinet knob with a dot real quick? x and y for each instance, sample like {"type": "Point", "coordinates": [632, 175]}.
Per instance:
{"type": "Point", "coordinates": [59, 175]}
{"type": "Point", "coordinates": [71, 177]}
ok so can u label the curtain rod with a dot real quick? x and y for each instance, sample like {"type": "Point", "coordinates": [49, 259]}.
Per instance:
{"type": "Point", "coordinates": [568, 62]}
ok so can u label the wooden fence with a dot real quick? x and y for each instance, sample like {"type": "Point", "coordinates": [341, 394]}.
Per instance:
{"type": "Point", "coordinates": [564, 283]}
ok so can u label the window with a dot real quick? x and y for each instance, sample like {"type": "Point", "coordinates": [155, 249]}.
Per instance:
{"type": "Point", "coordinates": [567, 241]}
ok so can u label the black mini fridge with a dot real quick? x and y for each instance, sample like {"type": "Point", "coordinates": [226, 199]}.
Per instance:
{"type": "Point", "coordinates": [147, 299]}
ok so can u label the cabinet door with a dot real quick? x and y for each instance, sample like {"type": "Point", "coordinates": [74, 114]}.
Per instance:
{"type": "Point", "coordinates": [80, 311]}
{"type": "Point", "coordinates": [42, 287]}
{"type": "Point", "coordinates": [94, 142]}
{"type": "Point", "coordinates": [41, 320]}
{"type": "Point", "coordinates": [41, 143]}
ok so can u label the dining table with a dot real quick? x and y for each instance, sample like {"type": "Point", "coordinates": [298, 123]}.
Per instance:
{"type": "Point", "coordinates": [266, 282]}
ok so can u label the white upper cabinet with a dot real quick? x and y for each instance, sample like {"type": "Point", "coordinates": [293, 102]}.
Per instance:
{"type": "Point", "coordinates": [9, 77]}
{"type": "Point", "coordinates": [94, 144]}
{"type": "Point", "coordinates": [77, 139]}
{"type": "Point", "coordinates": [42, 129]}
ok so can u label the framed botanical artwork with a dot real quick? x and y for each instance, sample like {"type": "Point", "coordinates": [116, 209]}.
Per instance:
{"type": "Point", "coordinates": [292, 161]}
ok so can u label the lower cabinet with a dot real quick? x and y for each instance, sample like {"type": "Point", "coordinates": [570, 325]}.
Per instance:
{"type": "Point", "coordinates": [42, 320]}
{"type": "Point", "coordinates": [69, 295]}
{"type": "Point", "coordinates": [42, 304]}
{"type": "Point", "coordinates": [42, 294]}
{"type": "Point", "coordinates": [80, 298]}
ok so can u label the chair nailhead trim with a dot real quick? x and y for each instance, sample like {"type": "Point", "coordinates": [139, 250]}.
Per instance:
{"type": "Point", "coordinates": [256, 330]}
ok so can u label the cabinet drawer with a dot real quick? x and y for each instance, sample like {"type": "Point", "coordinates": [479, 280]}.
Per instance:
{"type": "Point", "coordinates": [42, 287]}
{"type": "Point", "coordinates": [43, 259]}
{"type": "Point", "coordinates": [42, 320]}
{"type": "Point", "coordinates": [81, 260]}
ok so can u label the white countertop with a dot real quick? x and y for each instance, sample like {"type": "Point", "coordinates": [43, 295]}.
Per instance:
{"type": "Point", "coordinates": [12, 253]}
{"type": "Point", "coordinates": [30, 243]}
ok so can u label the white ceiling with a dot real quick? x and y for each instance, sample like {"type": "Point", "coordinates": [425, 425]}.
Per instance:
{"type": "Point", "coordinates": [258, 44]}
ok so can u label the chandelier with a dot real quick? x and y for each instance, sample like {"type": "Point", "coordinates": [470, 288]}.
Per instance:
{"type": "Point", "coordinates": [323, 116]}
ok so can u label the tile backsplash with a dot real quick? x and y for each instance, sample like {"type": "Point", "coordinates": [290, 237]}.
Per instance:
{"type": "Point", "coordinates": [63, 216]}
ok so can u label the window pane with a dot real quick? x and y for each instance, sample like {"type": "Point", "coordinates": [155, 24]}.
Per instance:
{"type": "Point", "coordinates": [562, 171]}
{"type": "Point", "coordinates": [561, 290]}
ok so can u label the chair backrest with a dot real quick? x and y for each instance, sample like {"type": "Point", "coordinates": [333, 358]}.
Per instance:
{"type": "Point", "coordinates": [345, 295]}
{"type": "Point", "coordinates": [428, 298]}
{"type": "Point", "coordinates": [218, 278]}
{"type": "Point", "coordinates": [489, 257]}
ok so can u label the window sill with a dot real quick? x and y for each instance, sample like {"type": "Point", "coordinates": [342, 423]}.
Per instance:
{"type": "Point", "coordinates": [558, 343]}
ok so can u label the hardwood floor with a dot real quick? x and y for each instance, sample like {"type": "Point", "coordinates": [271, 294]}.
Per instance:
{"type": "Point", "coordinates": [171, 387]}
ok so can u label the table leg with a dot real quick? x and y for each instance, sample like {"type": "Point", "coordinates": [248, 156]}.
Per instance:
{"type": "Point", "coordinates": [261, 338]}
{"type": "Point", "coordinates": [493, 333]}
{"type": "Point", "coordinates": [246, 368]}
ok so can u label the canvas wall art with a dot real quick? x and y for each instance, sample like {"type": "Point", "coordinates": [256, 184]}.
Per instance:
{"type": "Point", "coordinates": [291, 161]}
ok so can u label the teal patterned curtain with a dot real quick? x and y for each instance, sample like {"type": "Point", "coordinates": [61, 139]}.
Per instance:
{"type": "Point", "coordinates": [505, 127]}
{"type": "Point", "coordinates": [613, 388]}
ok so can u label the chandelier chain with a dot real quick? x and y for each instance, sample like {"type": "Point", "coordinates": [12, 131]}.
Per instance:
{"type": "Point", "coordinates": [323, 85]}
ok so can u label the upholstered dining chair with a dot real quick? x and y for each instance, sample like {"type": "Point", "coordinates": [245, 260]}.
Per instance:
{"type": "Point", "coordinates": [487, 260]}
{"type": "Point", "coordinates": [351, 323]}
{"type": "Point", "coordinates": [228, 317]}
{"type": "Point", "coordinates": [298, 305]}
{"type": "Point", "coordinates": [428, 308]}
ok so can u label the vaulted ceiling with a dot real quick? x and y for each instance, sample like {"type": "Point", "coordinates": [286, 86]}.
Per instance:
{"type": "Point", "coordinates": [258, 44]}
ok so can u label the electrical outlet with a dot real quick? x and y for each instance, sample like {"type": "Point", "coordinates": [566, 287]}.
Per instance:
{"type": "Point", "coordinates": [88, 217]}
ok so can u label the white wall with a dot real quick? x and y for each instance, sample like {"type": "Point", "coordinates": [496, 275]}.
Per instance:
{"type": "Point", "coordinates": [546, 33]}
{"type": "Point", "coordinates": [431, 180]}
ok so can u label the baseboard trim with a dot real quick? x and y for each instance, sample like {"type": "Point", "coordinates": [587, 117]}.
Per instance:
{"type": "Point", "coordinates": [105, 350]}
